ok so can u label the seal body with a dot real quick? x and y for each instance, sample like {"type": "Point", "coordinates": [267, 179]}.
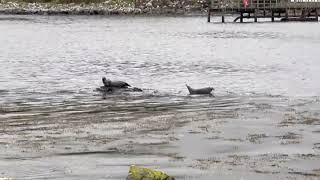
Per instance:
{"type": "Point", "coordinates": [206, 90]}
{"type": "Point", "coordinates": [115, 84]}
{"type": "Point", "coordinates": [119, 84]}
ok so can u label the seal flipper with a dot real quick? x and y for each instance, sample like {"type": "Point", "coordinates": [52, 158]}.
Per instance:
{"type": "Point", "coordinates": [126, 85]}
{"type": "Point", "coordinates": [190, 89]}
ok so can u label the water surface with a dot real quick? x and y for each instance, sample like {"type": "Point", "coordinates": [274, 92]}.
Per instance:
{"type": "Point", "coordinates": [262, 121]}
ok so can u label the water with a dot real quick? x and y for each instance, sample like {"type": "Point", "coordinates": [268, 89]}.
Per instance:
{"type": "Point", "coordinates": [262, 120]}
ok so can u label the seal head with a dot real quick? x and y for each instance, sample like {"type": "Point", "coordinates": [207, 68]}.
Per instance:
{"type": "Point", "coordinates": [106, 82]}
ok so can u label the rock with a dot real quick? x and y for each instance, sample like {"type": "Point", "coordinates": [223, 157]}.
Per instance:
{"type": "Point", "coordinates": [149, 4]}
{"type": "Point", "coordinates": [108, 7]}
{"type": "Point", "coordinates": [105, 89]}
{"type": "Point", "coordinates": [139, 173]}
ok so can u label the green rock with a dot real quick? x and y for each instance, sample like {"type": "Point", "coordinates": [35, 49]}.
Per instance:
{"type": "Point", "coordinates": [139, 173]}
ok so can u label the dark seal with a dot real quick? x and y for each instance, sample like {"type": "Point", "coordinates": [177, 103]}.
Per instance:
{"type": "Point", "coordinates": [111, 86]}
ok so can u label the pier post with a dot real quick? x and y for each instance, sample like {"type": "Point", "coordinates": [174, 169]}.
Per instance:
{"type": "Point", "coordinates": [302, 14]}
{"type": "Point", "coordinates": [255, 15]}
{"type": "Point", "coordinates": [241, 17]}
{"type": "Point", "coordinates": [287, 14]}
{"type": "Point", "coordinates": [222, 18]}
{"type": "Point", "coordinates": [317, 15]}
{"type": "Point", "coordinates": [209, 10]}
{"type": "Point", "coordinates": [272, 16]}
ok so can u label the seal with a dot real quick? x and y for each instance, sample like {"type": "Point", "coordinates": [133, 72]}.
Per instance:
{"type": "Point", "coordinates": [206, 90]}
{"type": "Point", "coordinates": [119, 86]}
{"type": "Point", "coordinates": [115, 84]}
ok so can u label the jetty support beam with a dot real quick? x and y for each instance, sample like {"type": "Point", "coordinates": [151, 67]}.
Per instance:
{"type": "Point", "coordinates": [255, 15]}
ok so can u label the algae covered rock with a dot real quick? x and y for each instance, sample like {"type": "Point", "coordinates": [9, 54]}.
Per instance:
{"type": "Point", "coordinates": [139, 173]}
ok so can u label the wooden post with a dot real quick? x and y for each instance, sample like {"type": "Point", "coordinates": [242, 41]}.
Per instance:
{"type": "Point", "coordinates": [209, 12]}
{"type": "Point", "coordinates": [222, 18]}
{"type": "Point", "coordinates": [302, 14]}
{"type": "Point", "coordinates": [287, 14]}
{"type": "Point", "coordinates": [272, 16]}
{"type": "Point", "coordinates": [317, 16]}
{"type": "Point", "coordinates": [255, 15]}
{"type": "Point", "coordinates": [241, 17]}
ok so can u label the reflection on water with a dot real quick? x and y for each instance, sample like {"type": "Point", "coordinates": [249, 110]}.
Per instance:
{"type": "Point", "coordinates": [262, 118]}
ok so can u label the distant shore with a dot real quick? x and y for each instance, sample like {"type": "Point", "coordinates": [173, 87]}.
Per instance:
{"type": "Point", "coordinates": [101, 8]}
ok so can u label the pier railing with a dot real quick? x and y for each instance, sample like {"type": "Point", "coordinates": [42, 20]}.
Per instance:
{"type": "Point", "coordinates": [233, 5]}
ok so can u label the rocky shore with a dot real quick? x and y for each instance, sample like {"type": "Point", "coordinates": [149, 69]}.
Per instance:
{"type": "Point", "coordinates": [109, 7]}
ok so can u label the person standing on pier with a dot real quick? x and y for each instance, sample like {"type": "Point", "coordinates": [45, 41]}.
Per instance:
{"type": "Point", "coordinates": [245, 3]}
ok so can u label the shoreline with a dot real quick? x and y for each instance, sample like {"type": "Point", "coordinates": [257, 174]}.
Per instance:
{"type": "Point", "coordinates": [14, 8]}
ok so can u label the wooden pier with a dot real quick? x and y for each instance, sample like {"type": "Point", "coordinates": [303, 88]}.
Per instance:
{"type": "Point", "coordinates": [276, 10]}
